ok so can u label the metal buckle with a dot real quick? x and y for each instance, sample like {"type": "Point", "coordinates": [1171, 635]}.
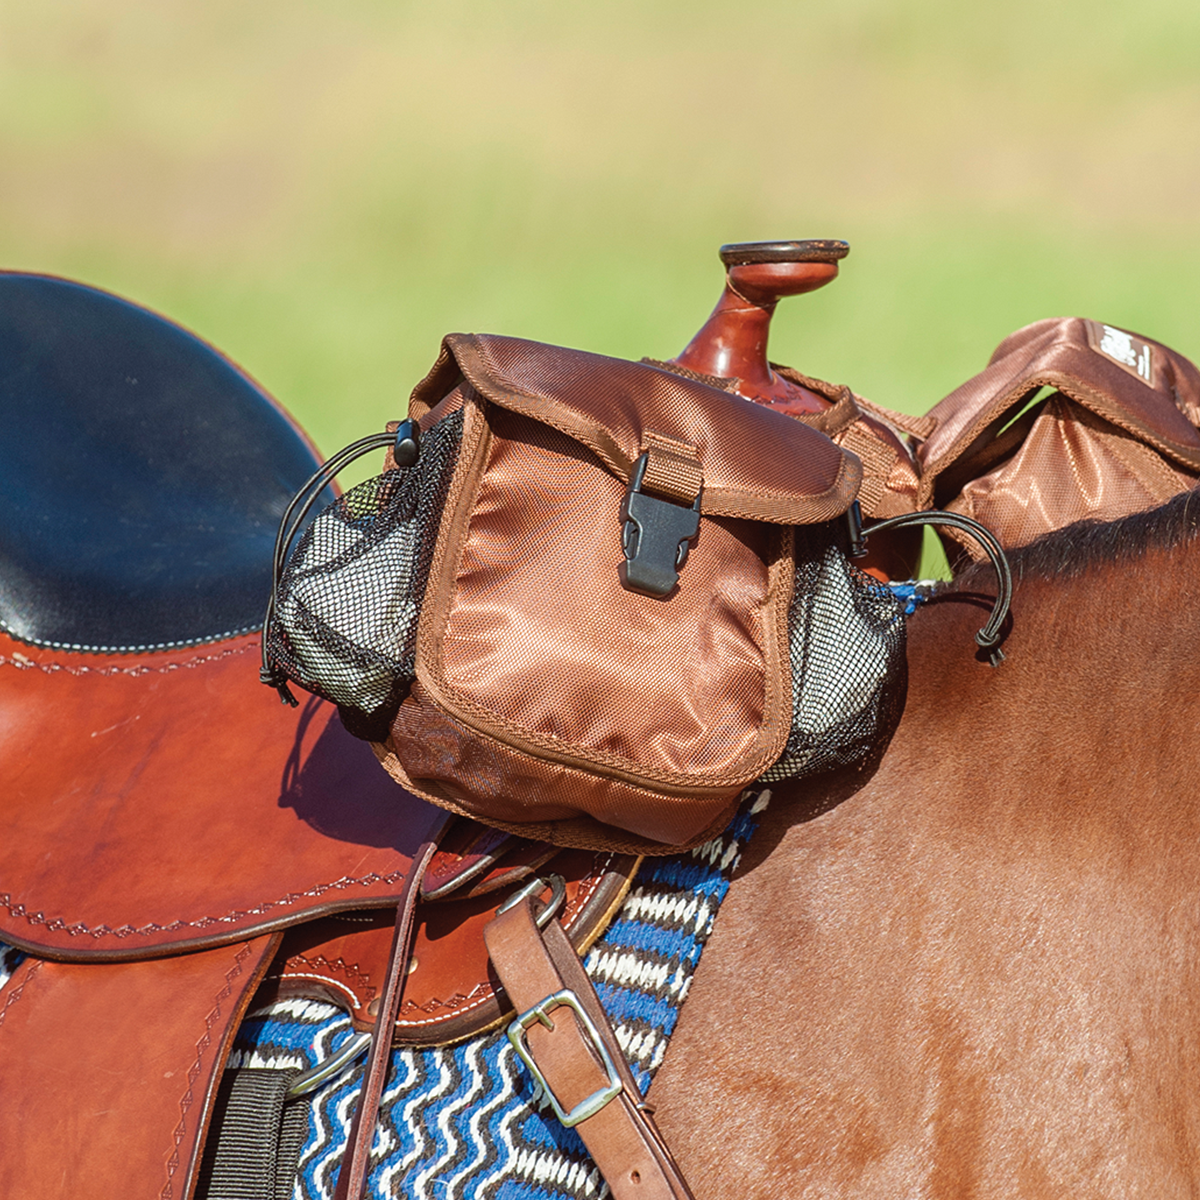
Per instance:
{"type": "Point", "coordinates": [592, 1104]}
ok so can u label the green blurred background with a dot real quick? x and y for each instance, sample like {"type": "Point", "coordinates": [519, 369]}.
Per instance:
{"type": "Point", "coordinates": [324, 188]}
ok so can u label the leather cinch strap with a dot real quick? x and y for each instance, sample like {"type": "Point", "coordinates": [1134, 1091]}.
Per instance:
{"type": "Point", "coordinates": [564, 1038]}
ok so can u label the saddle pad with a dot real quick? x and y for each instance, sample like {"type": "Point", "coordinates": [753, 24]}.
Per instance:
{"type": "Point", "coordinates": [148, 1071]}
{"type": "Point", "coordinates": [159, 802]}
{"type": "Point", "coordinates": [464, 1122]}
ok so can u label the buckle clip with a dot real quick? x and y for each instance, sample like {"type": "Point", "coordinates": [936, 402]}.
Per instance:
{"type": "Point", "coordinates": [590, 1105]}
{"type": "Point", "coordinates": [656, 536]}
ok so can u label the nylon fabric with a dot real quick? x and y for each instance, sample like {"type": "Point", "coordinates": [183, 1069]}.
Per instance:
{"type": "Point", "coordinates": [534, 797]}
{"type": "Point", "coordinates": [756, 462]}
{"type": "Point", "coordinates": [677, 686]}
{"type": "Point", "coordinates": [875, 435]}
{"type": "Point", "coordinates": [1058, 354]}
{"type": "Point", "coordinates": [1116, 435]}
{"type": "Point", "coordinates": [254, 1149]}
{"type": "Point", "coordinates": [1071, 466]}
{"type": "Point", "coordinates": [672, 469]}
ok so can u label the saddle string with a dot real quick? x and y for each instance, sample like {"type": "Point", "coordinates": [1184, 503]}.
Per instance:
{"type": "Point", "coordinates": [402, 441]}
{"type": "Point", "coordinates": [992, 633]}
{"type": "Point", "coordinates": [352, 1175]}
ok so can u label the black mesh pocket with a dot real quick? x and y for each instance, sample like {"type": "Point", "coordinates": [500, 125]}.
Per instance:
{"type": "Point", "coordinates": [847, 649]}
{"type": "Point", "coordinates": [346, 609]}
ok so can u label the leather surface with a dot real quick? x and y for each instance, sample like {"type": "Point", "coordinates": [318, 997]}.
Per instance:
{"type": "Point", "coordinates": [144, 474]}
{"type": "Point", "coordinates": [108, 1073]}
{"type": "Point", "coordinates": [468, 853]}
{"type": "Point", "coordinates": [158, 802]}
{"type": "Point", "coordinates": [352, 1175]}
{"type": "Point", "coordinates": [621, 1137]}
{"type": "Point", "coordinates": [451, 991]}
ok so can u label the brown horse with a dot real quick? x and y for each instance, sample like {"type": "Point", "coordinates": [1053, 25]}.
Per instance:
{"type": "Point", "coordinates": [973, 968]}
{"type": "Point", "coordinates": [967, 969]}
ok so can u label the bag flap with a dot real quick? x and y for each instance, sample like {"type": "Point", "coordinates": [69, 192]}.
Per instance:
{"type": "Point", "coordinates": [755, 463]}
{"type": "Point", "coordinates": [1139, 385]}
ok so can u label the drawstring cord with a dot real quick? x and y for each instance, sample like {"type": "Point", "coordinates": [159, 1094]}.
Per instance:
{"type": "Point", "coordinates": [991, 635]}
{"type": "Point", "coordinates": [405, 443]}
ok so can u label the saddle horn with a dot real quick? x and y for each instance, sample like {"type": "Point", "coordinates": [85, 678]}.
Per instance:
{"type": "Point", "coordinates": [732, 343]}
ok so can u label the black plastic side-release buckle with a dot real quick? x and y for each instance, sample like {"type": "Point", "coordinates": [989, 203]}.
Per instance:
{"type": "Point", "coordinates": [656, 537]}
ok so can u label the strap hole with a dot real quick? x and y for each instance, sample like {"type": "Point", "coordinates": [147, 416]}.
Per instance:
{"type": "Point", "coordinates": [635, 1177]}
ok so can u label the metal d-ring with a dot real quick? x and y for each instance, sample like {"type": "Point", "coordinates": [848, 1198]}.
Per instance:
{"type": "Point", "coordinates": [558, 893]}
{"type": "Point", "coordinates": [329, 1068]}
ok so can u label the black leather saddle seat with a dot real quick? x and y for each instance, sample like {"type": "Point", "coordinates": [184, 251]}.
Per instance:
{"type": "Point", "coordinates": [142, 475]}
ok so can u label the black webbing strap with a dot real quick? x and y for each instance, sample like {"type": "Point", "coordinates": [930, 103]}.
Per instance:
{"type": "Point", "coordinates": [253, 1149]}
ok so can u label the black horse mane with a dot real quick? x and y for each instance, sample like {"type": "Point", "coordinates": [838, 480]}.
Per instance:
{"type": "Point", "coordinates": [1074, 549]}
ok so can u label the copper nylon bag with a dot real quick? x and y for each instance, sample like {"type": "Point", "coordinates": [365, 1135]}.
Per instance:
{"type": "Point", "coordinates": [551, 699]}
{"type": "Point", "coordinates": [568, 610]}
{"type": "Point", "coordinates": [1116, 435]}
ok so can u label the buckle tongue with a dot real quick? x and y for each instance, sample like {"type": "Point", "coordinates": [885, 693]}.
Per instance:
{"type": "Point", "coordinates": [590, 1105]}
{"type": "Point", "coordinates": [656, 536]}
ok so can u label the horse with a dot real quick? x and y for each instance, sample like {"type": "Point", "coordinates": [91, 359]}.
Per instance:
{"type": "Point", "coordinates": [972, 966]}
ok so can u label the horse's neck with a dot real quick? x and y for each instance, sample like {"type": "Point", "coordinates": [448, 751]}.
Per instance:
{"type": "Point", "coordinates": [1106, 635]}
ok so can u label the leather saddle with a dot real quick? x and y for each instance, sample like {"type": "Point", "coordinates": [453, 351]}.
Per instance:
{"type": "Point", "coordinates": [173, 841]}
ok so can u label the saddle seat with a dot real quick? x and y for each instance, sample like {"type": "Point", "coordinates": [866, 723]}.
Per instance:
{"type": "Point", "coordinates": [144, 475]}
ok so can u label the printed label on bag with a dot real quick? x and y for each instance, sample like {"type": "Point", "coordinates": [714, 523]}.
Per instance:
{"type": "Point", "coordinates": [1130, 353]}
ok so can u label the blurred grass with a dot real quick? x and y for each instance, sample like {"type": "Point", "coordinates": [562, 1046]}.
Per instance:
{"type": "Point", "coordinates": [324, 189]}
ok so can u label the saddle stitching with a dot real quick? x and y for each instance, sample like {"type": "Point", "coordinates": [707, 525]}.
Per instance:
{"type": "Point", "coordinates": [459, 1002]}
{"type": "Point", "coordinates": [23, 663]}
{"type": "Point", "coordinates": [60, 925]}
{"type": "Point", "coordinates": [188, 1099]}
{"type": "Point", "coordinates": [340, 968]}
{"type": "Point", "coordinates": [146, 648]}
{"type": "Point", "coordinates": [13, 996]}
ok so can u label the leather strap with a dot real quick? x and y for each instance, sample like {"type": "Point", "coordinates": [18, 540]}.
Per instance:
{"type": "Point", "coordinates": [352, 1177]}
{"type": "Point", "coordinates": [535, 965]}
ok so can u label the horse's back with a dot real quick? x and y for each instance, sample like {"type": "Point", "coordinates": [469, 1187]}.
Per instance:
{"type": "Point", "coordinates": [973, 974]}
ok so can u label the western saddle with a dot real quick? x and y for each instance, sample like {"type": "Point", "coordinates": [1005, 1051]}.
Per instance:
{"type": "Point", "coordinates": [175, 840]}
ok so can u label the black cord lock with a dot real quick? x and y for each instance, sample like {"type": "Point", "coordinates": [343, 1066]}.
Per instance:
{"type": "Point", "coordinates": [407, 447]}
